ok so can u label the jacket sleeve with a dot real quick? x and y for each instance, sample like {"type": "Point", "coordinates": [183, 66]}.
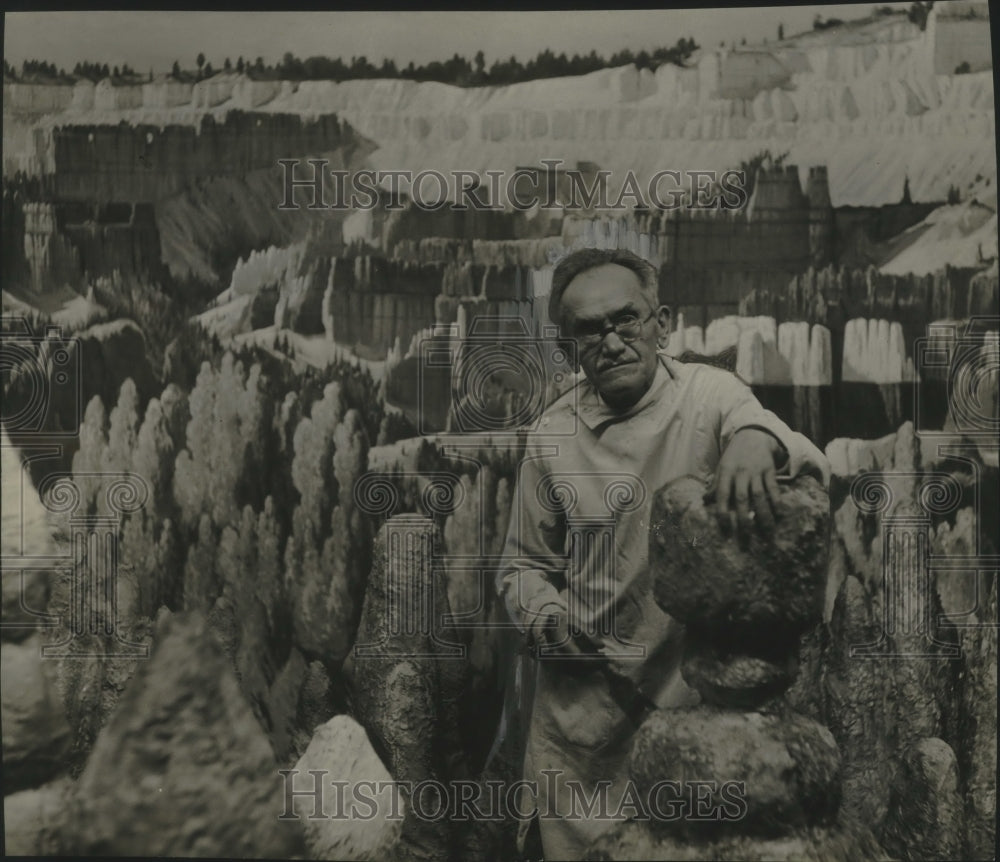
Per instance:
{"type": "Point", "coordinates": [532, 575]}
{"type": "Point", "coordinates": [741, 409]}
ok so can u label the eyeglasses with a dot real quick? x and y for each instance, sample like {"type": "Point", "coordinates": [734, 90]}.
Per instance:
{"type": "Point", "coordinates": [628, 328]}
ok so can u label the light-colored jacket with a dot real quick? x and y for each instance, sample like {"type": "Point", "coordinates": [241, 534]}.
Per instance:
{"type": "Point", "coordinates": [578, 541]}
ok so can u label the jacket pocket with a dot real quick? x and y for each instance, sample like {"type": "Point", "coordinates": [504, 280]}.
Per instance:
{"type": "Point", "coordinates": [578, 709]}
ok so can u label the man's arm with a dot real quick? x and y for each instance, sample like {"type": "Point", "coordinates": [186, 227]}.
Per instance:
{"type": "Point", "coordinates": [533, 571]}
{"type": "Point", "coordinates": [756, 447]}
{"type": "Point", "coordinates": [741, 409]}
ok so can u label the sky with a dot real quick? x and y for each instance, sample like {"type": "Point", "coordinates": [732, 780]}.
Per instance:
{"type": "Point", "coordinates": [153, 40]}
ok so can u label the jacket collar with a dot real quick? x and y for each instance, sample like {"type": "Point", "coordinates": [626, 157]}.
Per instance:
{"type": "Point", "coordinates": [594, 411]}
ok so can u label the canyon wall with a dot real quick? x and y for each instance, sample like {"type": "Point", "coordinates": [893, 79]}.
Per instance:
{"type": "Point", "coordinates": [877, 133]}
{"type": "Point", "coordinates": [140, 161]}
{"type": "Point", "coordinates": [159, 203]}
{"type": "Point", "coordinates": [719, 271]}
{"type": "Point", "coordinates": [855, 99]}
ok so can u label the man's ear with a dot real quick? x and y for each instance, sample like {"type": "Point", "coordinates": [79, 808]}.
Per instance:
{"type": "Point", "coordinates": [663, 322]}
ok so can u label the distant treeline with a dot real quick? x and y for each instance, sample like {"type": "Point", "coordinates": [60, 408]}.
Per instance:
{"type": "Point", "coordinates": [459, 70]}
{"type": "Point", "coordinates": [41, 72]}
{"type": "Point", "coordinates": [463, 73]}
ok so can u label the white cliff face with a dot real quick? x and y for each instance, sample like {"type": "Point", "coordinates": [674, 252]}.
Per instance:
{"type": "Point", "coordinates": [869, 105]}
{"type": "Point", "coordinates": [790, 354]}
{"type": "Point", "coordinates": [35, 98]}
{"type": "Point", "coordinates": [83, 96]}
{"type": "Point", "coordinates": [27, 526]}
{"type": "Point", "coordinates": [166, 93]}
{"type": "Point", "coordinates": [869, 102]}
{"type": "Point", "coordinates": [875, 352]}
{"type": "Point", "coordinates": [270, 266]}
{"type": "Point", "coordinates": [215, 90]}
{"type": "Point", "coordinates": [109, 97]}
{"type": "Point", "coordinates": [607, 232]}
{"type": "Point", "coordinates": [960, 234]}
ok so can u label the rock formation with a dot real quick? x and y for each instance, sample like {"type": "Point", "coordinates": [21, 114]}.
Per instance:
{"type": "Point", "coordinates": [32, 819]}
{"type": "Point", "coordinates": [396, 672]}
{"type": "Point", "coordinates": [924, 818]}
{"type": "Point", "coordinates": [744, 604]}
{"type": "Point", "coordinates": [36, 736]}
{"type": "Point", "coordinates": [182, 768]}
{"type": "Point", "coordinates": [903, 669]}
{"type": "Point", "coordinates": [340, 751]}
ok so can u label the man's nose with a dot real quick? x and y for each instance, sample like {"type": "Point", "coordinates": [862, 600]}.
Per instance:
{"type": "Point", "coordinates": [613, 344]}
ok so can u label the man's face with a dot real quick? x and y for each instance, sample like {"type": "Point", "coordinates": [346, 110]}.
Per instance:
{"type": "Point", "coordinates": [597, 299]}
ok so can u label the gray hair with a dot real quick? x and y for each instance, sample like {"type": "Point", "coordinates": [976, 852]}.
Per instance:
{"type": "Point", "coordinates": [590, 258]}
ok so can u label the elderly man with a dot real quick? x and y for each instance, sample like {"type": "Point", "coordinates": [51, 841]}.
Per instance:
{"type": "Point", "coordinates": [575, 574]}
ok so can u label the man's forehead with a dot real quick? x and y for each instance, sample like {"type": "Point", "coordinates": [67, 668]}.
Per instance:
{"type": "Point", "coordinates": [601, 291]}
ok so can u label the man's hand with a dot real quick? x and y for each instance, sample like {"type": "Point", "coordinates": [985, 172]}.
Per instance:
{"type": "Point", "coordinates": [747, 481]}
{"type": "Point", "coordinates": [555, 631]}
